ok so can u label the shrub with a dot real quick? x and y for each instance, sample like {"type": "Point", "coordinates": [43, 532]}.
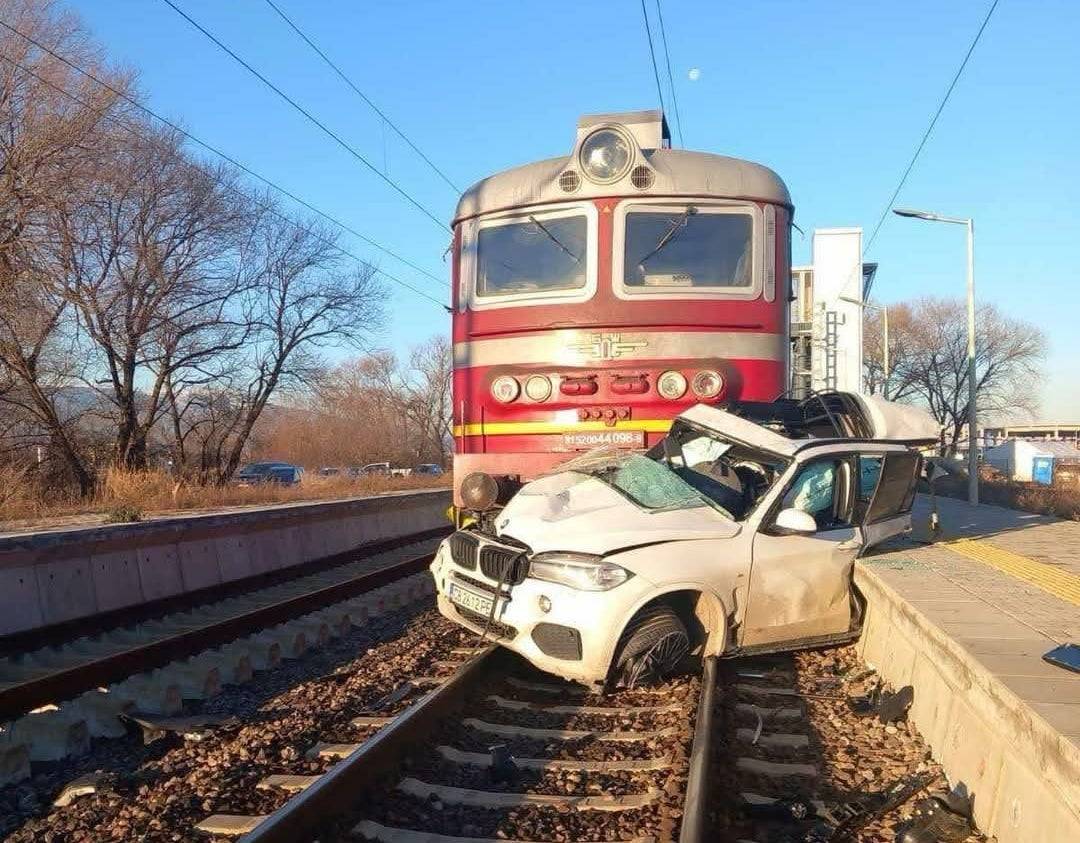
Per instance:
{"type": "Point", "coordinates": [123, 514]}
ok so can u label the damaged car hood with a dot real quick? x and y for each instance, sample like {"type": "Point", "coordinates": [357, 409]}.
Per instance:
{"type": "Point", "coordinates": [576, 512]}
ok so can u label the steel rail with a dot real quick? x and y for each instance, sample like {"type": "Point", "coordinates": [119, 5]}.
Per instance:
{"type": "Point", "coordinates": [695, 827]}
{"type": "Point", "coordinates": [66, 683]}
{"type": "Point", "coordinates": [113, 619]}
{"type": "Point", "coordinates": [335, 792]}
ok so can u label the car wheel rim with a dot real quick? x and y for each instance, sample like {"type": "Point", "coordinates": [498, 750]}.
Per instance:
{"type": "Point", "coordinates": [656, 662]}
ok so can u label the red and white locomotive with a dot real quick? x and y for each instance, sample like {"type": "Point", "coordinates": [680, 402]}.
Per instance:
{"type": "Point", "coordinates": [599, 295]}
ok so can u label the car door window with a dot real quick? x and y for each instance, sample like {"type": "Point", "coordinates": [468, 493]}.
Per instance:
{"type": "Point", "coordinates": [868, 468]}
{"type": "Point", "coordinates": [896, 487]}
{"type": "Point", "coordinates": [820, 489]}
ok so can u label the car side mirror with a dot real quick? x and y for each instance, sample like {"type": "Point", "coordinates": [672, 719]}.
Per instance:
{"type": "Point", "coordinates": [795, 522]}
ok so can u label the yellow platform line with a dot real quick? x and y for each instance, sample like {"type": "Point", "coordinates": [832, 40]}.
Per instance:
{"type": "Point", "coordinates": [1061, 584]}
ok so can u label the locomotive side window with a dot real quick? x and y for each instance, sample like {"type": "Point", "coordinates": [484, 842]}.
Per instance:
{"type": "Point", "coordinates": [687, 248]}
{"type": "Point", "coordinates": [537, 254]}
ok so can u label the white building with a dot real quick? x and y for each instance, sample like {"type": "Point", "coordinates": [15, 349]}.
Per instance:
{"type": "Point", "coordinates": [1018, 459]}
{"type": "Point", "coordinates": [827, 311]}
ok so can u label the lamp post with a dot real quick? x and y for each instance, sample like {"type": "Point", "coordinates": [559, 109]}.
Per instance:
{"type": "Point", "coordinates": [973, 447]}
{"type": "Point", "coordinates": [885, 339]}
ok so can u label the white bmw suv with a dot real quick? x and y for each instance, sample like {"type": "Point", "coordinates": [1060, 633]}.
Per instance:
{"type": "Point", "coordinates": [736, 534]}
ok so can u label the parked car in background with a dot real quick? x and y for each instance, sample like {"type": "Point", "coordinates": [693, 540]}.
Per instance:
{"type": "Point", "coordinates": [428, 469]}
{"type": "Point", "coordinates": [281, 473]}
{"type": "Point", "coordinates": [735, 534]}
{"type": "Point", "coordinates": [400, 472]}
{"type": "Point", "coordinates": [377, 469]}
{"type": "Point", "coordinates": [329, 471]}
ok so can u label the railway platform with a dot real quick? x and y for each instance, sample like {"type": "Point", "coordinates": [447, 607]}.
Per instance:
{"type": "Point", "coordinates": [965, 617]}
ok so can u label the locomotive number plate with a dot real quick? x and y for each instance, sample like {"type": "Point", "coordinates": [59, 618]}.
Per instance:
{"type": "Point", "coordinates": [469, 599]}
{"type": "Point", "coordinates": [585, 439]}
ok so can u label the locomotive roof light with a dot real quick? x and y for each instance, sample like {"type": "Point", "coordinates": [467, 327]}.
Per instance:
{"type": "Point", "coordinates": [505, 389]}
{"type": "Point", "coordinates": [606, 155]}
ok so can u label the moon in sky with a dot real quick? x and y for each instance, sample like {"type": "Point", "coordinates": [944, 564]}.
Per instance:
{"type": "Point", "coordinates": [694, 74]}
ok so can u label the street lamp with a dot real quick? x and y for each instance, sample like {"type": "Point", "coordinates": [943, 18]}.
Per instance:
{"type": "Point", "coordinates": [885, 345]}
{"type": "Point", "coordinates": [973, 448]}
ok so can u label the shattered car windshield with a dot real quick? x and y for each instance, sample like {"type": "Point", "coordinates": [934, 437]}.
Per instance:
{"type": "Point", "coordinates": [649, 484]}
{"type": "Point", "coordinates": [730, 474]}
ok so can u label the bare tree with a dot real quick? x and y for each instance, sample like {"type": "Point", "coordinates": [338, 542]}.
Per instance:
{"type": "Point", "coordinates": [373, 408]}
{"type": "Point", "coordinates": [305, 299]}
{"type": "Point", "coordinates": [51, 148]}
{"type": "Point", "coordinates": [899, 386]}
{"type": "Point", "coordinates": [929, 363]}
{"type": "Point", "coordinates": [150, 264]}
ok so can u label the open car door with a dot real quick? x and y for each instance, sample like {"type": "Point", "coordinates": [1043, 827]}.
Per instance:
{"type": "Point", "coordinates": [800, 590]}
{"type": "Point", "coordinates": [886, 493]}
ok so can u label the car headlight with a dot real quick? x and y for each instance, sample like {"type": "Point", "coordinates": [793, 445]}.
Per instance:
{"type": "Point", "coordinates": [578, 570]}
{"type": "Point", "coordinates": [606, 155]}
{"type": "Point", "coordinates": [671, 385]}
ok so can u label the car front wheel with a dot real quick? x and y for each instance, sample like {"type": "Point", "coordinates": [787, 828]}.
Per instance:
{"type": "Point", "coordinates": [649, 649]}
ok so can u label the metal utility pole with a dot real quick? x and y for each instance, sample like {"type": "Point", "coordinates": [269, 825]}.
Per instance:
{"type": "Point", "coordinates": [885, 339]}
{"type": "Point", "coordinates": [973, 426]}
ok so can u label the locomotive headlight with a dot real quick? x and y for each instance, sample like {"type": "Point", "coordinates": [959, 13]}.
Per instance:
{"type": "Point", "coordinates": [707, 384]}
{"type": "Point", "coordinates": [671, 385]}
{"type": "Point", "coordinates": [505, 389]}
{"type": "Point", "coordinates": [538, 388]}
{"type": "Point", "coordinates": [479, 491]}
{"type": "Point", "coordinates": [606, 155]}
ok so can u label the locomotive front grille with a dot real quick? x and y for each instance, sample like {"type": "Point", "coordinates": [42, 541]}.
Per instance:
{"type": "Point", "coordinates": [463, 548]}
{"type": "Point", "coordinates": [503, 563]}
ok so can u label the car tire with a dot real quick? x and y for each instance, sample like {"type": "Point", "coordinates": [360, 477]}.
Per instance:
{"type": "Point", "coordinates": [650, 648]}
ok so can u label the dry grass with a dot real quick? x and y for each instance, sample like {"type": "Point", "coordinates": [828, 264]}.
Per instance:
{"type": "Point", "coordinates": [1029, 497]}
{"type": "Point", "coordinates": [126, 495]}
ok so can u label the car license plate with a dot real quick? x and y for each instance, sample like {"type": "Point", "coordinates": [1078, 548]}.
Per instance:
{"type": "Point", "coordinates": [585, 439]}
{"type": "Point", "coordinates": [468, 599]}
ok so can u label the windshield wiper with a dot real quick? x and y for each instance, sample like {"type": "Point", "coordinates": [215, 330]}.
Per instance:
{"type": "Point", "coordinates": [679, 224]}
{"type": "Point", "coordinates": [553, 238]}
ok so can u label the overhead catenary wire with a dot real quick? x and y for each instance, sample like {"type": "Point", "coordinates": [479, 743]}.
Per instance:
{"type": "Point", "coordinates": [652, 55]}
{"type": "Point", "coordinates": [930, 128]}
{"type": "Point", "coordinates": [210, 148]}
{"type": "Point", "coordinates": [129, 128]}
{"type": "Point", "coordinates": [671, 79]}
{"type": "Point", "coordinates": [308, 115]}
{"type": "Point", "coordinates": [344, 78]}
{"type": "Point", "coordinates": [856, 269]}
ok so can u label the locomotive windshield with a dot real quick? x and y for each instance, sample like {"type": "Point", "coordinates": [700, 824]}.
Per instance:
{"type": "Point", "coordinates": [537, 254]}
{"type": "Point", "coordinates": [687, 247]}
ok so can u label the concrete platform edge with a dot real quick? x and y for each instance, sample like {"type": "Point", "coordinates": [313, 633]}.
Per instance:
{"type": "Point", "coordinates": [1024, 775]}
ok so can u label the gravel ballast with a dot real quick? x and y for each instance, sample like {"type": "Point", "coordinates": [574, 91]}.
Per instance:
{"type": "Point", "coordinates": [159, 791]}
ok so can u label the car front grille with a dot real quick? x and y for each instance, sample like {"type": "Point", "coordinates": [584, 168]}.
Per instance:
{"type": "Point", "coordinates": [463, 547]}
{"type": "Point", "coordinates": [494, 627]}
{"type": "Point", "coordinates": [503, 564]}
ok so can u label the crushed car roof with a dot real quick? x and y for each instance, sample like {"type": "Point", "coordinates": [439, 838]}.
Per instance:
{"type": "Point", "coordinates": [786, 426]}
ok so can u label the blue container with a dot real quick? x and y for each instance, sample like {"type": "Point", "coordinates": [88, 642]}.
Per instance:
{"type": "Point", "coordinates": [1042, 470]}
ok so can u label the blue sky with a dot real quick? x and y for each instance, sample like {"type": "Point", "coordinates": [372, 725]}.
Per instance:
{"type": "Point", "coordinates": [833, 95]}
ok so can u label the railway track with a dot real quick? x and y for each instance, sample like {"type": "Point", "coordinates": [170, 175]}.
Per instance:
{"type": "Point", "coordinates": [54, 699]}
{"type": "Point", "coordinates": [808, 753]}
{"type": "Point", "coordinates": [496, 751]}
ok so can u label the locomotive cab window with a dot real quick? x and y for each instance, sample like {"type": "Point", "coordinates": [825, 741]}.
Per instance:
{"type": "Point", "coordinates": [686, 250]}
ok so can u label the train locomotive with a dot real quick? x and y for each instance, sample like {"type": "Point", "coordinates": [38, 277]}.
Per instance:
{"type": "Point", "coordinates": [596, 296]}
